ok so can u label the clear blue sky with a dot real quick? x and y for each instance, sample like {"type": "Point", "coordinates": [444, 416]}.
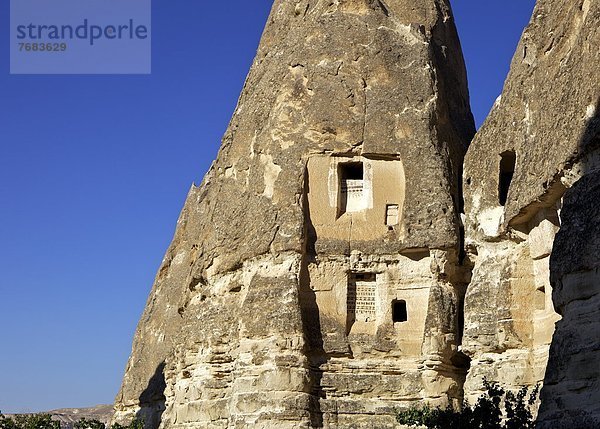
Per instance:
{"type": "Point", "coordinates": [94, 171]}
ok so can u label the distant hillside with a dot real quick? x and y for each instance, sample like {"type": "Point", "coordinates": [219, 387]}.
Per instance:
{"type": "Point", "coordinates": [68, 416]}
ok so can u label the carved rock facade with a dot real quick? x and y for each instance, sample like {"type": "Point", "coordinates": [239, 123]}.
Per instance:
{"type": "Point", "coordinates": [322, 276]}
{"type": "Point", "coordinates": [314, 277]}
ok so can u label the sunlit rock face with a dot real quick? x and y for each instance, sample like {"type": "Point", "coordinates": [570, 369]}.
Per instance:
{"type": "Point", "coordinates": [314, 277]}
{"type": "Point", "coordinates": [540, 138]}
{"type": "Point", "coordinates": [318, 277]}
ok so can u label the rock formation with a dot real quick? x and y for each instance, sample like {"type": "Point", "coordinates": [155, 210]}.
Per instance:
{"type": "Point", "coordinates": [536, 143]}
{"type": "Point", "coordinates": [314, 276]}
{"type": "Point", "coordinates": [318, 276]}
{"type": "Point", "coordinates": [571, 395]}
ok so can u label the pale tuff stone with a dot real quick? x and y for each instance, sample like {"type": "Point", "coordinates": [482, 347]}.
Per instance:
{"type": "Point", "coordinates": [317, 277]}
{"type": "Point", "coordinates": [327, 215]}
{"type": "Point", "coordinates": [537, 142]}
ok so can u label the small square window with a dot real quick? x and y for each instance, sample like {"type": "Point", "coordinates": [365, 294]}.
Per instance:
{"type": "Point", "coordinates": [352, 171]}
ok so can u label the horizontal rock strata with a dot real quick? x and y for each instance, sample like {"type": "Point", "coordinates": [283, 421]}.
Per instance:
{"type": "Point", "coordinates": [314, 279]}
{"type": "Point", "coordinates": [536, 143]}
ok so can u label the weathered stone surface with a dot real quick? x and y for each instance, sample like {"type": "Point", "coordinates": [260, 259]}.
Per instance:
{"type": "Point", "coordinates": [571, 394]}
{"type": "Point", "coordinates": [542, 116]}
{"type": "Point", "coordinates": [249, 321]}
{"type": "Point", "coordinates": [316, 277]}
{"type": "Point", "coordinates": [545, 122]}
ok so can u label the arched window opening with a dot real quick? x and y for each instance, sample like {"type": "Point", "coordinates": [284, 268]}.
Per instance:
{"type": "Point", "coordinates": [508, 160]}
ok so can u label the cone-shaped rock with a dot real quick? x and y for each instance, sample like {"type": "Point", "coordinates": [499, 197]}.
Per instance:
{"type": "Point", "coordinates": [313, 279]}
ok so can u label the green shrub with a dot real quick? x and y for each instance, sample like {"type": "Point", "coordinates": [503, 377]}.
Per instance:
{"type": "Point", "coordinates": [84, 423]}
{"type": "Point", "coordinates": [28, 421]}
{"type": "Point", "coordinates": [44, 421]}
{"type": "Point", "coordinates": [136, 423]}
{"type": "Point", "coordinates": [486, 414]}
{"type": "Point", "coordinates": [6, 422]}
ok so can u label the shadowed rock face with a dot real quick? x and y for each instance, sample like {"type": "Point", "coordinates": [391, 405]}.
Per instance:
{"type": "Point", "coordinates": [539, 139]}
{"type": "Point", "coordinates": [260, 315]}
{"type": "Point", "coordinates": [571, 394]}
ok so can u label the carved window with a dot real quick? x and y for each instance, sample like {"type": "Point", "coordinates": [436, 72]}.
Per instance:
{"type": "Point", "coordinates": [540, 298]}
{"type": "Point", "coordinates": [508, 161]}
{"type": "Point", "coordinates": [362, 289]}
{"type": "Point", "coordinates": [351, 187]}
{"type": "Point", "coordinates": [399, 311]}
{"type": "Point", "coordinates": [391, 214]}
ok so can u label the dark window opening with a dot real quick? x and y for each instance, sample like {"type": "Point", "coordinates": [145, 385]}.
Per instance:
{"type": "Point", "coordinates": [399, 313]}
{"type": "Point", "coordinates": [363, 277]}
{"type": "Point", "coordinates": [508, 161]}
{"type": "Point", "coordinates": [461, 319]}
{"type": "Point", "coordinates": [351, 187]}
{"type": "Point", "coordinates": [351, 171]}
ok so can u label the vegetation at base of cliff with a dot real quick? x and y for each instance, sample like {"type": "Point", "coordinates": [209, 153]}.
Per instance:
{"type": "Point", "coordinates": [44, 421]}
{"type": "Point", "coordinates": [28, 421]}
{"type": "Point", "coordinates": [95, 424]}
{"type": "Point", "coordinates": [486, 414]}
{"type": "Point", "coordinates": [134, 424]}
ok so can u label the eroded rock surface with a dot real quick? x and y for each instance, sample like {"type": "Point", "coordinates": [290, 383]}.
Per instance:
{"type": "Point", "coordinates": [571, 395]}
{"type": "Point", "coordinates": [314, 279]}
{"type": "Point", "coordinates": [317, 277]}
{"type": "Point", "coordinates": [536, 143]}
